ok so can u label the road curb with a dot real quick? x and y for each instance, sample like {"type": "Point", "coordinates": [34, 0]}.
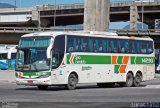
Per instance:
{"type": "Point", "coordinates": [157, 75]}
{"type": "Point", "coordinates": [6, 81]}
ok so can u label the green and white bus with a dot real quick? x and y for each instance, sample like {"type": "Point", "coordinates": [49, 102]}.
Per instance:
{"type": "Point", "coordinates": [69, 58]}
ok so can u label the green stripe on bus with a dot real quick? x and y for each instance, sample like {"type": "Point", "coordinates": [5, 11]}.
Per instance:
{"type": "Point", "coordinates": [120, 60]}
{"type": "Point", "coordinates": [88, 59]}
{"type": "Point", "coordinates": [97, 59]}
{"type": "Point", "coordinates": [142, 60]}
{"type": "Point", "coordinates": [116, 69]}
{"type": "Point", "coordinates": [133, 60]}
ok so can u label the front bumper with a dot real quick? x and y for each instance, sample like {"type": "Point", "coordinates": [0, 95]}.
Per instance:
{"type": "Point", "coordinates": [33, 82]}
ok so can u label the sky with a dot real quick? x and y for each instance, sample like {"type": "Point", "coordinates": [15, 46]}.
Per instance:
{"type": "Point", "coordinates": [32, 3]}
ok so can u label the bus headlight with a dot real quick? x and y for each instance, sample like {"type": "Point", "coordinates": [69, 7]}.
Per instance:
{"type": "Point", "coordinates": [44, 75]}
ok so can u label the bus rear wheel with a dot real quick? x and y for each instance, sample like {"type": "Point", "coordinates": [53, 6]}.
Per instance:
{"type": "Point", "coordinates": [42, 87]}
{"type": "Point", "coordinates": [129, 80]}
{"type": "Point", "coordinates": [137, 80]}
{"type": "Point", "coordinates": [72, 82]}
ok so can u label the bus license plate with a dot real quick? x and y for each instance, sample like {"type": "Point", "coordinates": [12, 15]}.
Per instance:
{"type": "Point", "coordinates": [30, 82]}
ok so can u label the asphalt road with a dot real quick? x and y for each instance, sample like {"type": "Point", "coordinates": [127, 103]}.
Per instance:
{"type": "Point", "coordinates": [85, 96]}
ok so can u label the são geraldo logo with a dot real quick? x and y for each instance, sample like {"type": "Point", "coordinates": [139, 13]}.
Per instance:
{"type": "Point", "coordinates": [75, 59]}
{"type": "Point", "coordinates": [78, 60]}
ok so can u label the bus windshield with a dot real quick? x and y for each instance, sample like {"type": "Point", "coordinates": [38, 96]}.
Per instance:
{"type": "Point", "coordinates": [34, 59]}
{"type": "Point", "coordinates": [32, 53]}
{"type": "Point", "coordinates": [27, 42]}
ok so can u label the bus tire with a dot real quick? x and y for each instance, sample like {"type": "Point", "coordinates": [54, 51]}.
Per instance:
{"type": "Point", "coordinates": [137, 80]}
{"type": "Point", "coordinates": [72, 82]}
{"type": "Point", "coordinates": [129, 80]}
{"type": "Point", "coordinates": [42, 87]}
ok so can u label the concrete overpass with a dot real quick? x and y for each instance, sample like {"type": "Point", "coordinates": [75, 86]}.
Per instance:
{"type": "Point", "coordinates": [74, 14]}
{"type": "Point", "coordinates": [11, 35]}
{"type": "Point", "coordinates": [48, 16]}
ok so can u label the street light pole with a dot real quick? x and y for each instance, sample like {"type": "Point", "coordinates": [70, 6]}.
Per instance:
{"type": "Point", "coordinates": [142, 13]}
{"type": "Point", "coordinates": [39, 19]}
{"type": "Point", "coordinates": [55, 14]}
{"type": "Point", "coordinates": [15, 5]}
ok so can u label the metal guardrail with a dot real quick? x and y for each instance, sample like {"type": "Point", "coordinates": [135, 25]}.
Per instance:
{"type": "Point", "coordinates": [149, 32]}
{"type": "Point", "coordinates": [75, 4]}
{"type": "Point", "coordinates": [80, 4]}
{"type": "Point", "coordinates": [136, 31]}
{"type": "Point", "coordinates": [33, 29]}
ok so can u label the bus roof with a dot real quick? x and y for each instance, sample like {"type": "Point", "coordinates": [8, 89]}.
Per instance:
{"type": "Point", "coordinates": [85, 33]}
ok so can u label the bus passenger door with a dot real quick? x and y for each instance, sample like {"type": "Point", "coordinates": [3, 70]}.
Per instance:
{"type": "Point", "coordinates": [58, 67]}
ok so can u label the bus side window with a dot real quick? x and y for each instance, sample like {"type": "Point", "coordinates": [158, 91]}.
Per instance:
{"type": "Point", "coordinates": [69, 44]}
{"type": "Point", "coordinates": [112, 46]}
{"type": "Point", "coordinates": [85, 45]}
{"type": "Point", "coordinates": [122, 46]}
{"type": "Point", "coordinates": [126, 46]}
{"type": "Point", "coordinates": [4, 56]}
{"type": "Point", "coordinates": [95, 45]}
{"type": "Point", "coordinates": [90, 44]}
{"type": "Point", "coordinates": [104, 46]}
{"type": "Point", "coordinates": [149, 47]}
{"type": "Point", "coordinates": [100, 47]}
{"type": "Point", "coordinates": [13, 56]}
{"type": "Point", "coordinates": [119, 46]}
{"type": "Point", "coordinates": [131, 47]}
{"type": "Point", "coordinates": [115, 46]}
{"type": "Point", "coordinates": [138, 46]}
{"type": "Point", "coordinates": [74, 43]}
{"type": "Point", "coordinates": [78, 45]}
{"type": "Point", "coordinates": [144, 48]}
{"type": "Point", "coordinates": [109, 49]}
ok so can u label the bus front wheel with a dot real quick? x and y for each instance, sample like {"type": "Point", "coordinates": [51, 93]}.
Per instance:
{"type": "Point", "coordinates": [42, 87]}
{"type": "Point", "coordinates": [72, 82]}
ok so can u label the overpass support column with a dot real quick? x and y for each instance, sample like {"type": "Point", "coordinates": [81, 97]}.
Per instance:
{"type": "Point", "coordinates": [96, 15]}
{"type": "Point", "coordinates": [133, 17]}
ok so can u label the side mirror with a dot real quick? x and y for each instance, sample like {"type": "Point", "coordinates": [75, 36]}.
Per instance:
{"type": "Point", "coordinates": [16, 47]}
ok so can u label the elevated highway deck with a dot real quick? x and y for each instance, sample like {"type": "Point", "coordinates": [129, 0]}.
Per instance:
{"type": "Point", "coordinates": [11, 35]}
{"type": "Point", "coordinates": [74, 14]}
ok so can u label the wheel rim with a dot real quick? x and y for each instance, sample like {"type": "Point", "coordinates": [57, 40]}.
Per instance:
{"type": "Point", "coordinates": [72, 82]}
